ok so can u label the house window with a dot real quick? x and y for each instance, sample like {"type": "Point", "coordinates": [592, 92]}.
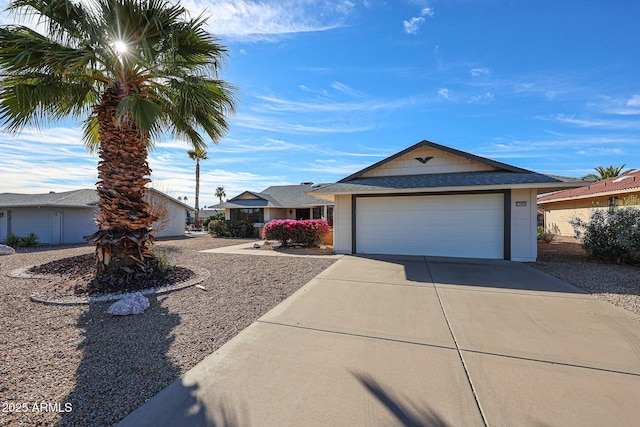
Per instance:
{"type": "Point", "coordinates": [612, 202]}
{"type": "Point", "coordinates": [317, 213]}
{"type": "Point", "coordinates": [303, 214]}
{"type": "Point", "coordinates": [330, 215]}
{"type": "Point", "coordinates": [255, 215]}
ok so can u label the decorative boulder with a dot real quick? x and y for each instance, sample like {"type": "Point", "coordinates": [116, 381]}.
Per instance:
{"type": "Point", "coordinates": [135, 303]}
{"type": "Point", "coordinates": [6, 250]}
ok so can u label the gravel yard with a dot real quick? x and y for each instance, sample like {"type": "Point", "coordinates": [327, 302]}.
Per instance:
{"type": "Point", "coordinates": [617, 284]}
{"type": "Point", "coordinates": [78, 366]}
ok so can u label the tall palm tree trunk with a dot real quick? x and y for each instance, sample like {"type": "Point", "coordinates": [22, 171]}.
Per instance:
{"type": "Point", "coordinates": [197, 219]}
{"type": "Point", "coordinates": [124, 236]}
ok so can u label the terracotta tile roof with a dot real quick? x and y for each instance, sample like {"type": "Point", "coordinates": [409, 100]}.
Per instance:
{"type": "Point", "coordinates": [620, 184]}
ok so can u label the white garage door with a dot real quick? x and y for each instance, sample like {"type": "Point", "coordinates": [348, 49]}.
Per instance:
{"type": "Point", "coordinates": [469, 226]}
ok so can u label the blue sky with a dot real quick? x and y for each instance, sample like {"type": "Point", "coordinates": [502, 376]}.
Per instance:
{"type": "Point", "coordinates": [330, 87]}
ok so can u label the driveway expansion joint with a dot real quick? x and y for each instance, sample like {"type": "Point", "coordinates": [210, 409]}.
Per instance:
{"type": "Point", "coordinates": [350, 334]}
{"type": "Point", "coordinates": [455, 341]}
{"type": "Point", "coordinates": [551, 362]}
{"type": "Point", "coordinates": [425, 285]}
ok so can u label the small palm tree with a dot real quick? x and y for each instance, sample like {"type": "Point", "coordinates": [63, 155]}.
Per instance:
{"type": "Point", "coordinates": [607, 172]}
{"type": "Point", "coordinates": [220, 194]}
{"type": "Point", "coordinates": [133, 70]}
{"type": "Point", "coordinates": [197, 155]}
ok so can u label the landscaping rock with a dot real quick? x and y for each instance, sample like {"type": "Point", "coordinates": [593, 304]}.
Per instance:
{"type": "Point", "coordinates": [6, 250]}
{"type": "Point", "coordinates": [133, 304]}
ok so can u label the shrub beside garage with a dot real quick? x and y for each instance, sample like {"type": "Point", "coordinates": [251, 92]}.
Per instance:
{"type": "Point", "coordinates": [303, 232]}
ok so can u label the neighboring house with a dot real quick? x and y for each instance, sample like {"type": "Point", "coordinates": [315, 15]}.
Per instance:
{"type": "Point", "coordinates": [562, 206]}
{"type": "Point", "coordinates": [434, 200]}
{"type": "Point", "coordinates": [206, 213]}
{"type": "Point", "coordinates": [69, 216]}
{"type": "Point", "coordinates": [277, 202]}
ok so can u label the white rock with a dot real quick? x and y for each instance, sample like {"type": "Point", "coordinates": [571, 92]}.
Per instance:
{"type": "Point", "coordinates": [6, 250]}
{"type": "Point", "coordinates": [135, 303]}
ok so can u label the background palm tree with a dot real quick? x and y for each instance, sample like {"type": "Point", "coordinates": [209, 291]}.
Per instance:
{"type": "Point", "coordinates": [607, 172]}
{"type": "Point", "coordinates": [220, 194]}
{"type": "Point", "coordinates": [197, 155]}
{"type": "Point", "coordinates": [132, 69]}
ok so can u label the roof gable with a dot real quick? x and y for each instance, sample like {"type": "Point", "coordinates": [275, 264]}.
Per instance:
{"type": "Point", "coordinates": [628, 183]}
{"type": "Point", "coordinates": [427, 157]}
{"type": "Point", "coordinates": [249, 195]}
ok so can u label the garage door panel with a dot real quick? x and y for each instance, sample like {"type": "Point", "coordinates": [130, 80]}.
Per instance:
{"type": "Point", "coordinates": [452, 225]}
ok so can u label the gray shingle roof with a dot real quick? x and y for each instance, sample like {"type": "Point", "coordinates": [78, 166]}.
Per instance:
{"type": "Point", "coordinates": [85, 198]}
{"type": "Point", "coordinates": [460, 179]}
{"type": "Point", "coordinates": [277, 196]}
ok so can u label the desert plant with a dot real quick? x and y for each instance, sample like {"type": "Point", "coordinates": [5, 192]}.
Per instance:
{"type": "Point", "coordinates": [29, 240]}
{"type": "Point", "coordinates": [134, 70]}
{"type": "Point", "coordinates": [607, 172]}
{"type": "Point", "coordinates": [162, 255]}
{"type": "Point", "coordinates": [197, 155]}
{"type": "Point", "coordinates": [305, 232]}
{"type": "Point", "coordinates": [218, 216]}
{"type": "Point", "coordinates": [544, 235]}
{"type": "Point", "coordinates": [612, 234]}
{"type": "Point", "coordinates": [229, 228]}
{"type": "Point", "coordinates": [12, 240]}
{"type": "Point", "coordinates": [220, 194]}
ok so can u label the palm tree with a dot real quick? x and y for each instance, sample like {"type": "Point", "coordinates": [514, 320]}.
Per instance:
{"type": "Point", "coordinates": [133, 70]}
{"type": "Point", "coordinates": [197, 155]}
{"type": "Point", "coordinates": [608, 172]}
{"type": "Point", "coordinates": [220, 194]}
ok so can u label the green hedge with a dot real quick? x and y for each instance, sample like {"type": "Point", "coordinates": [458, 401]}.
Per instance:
{"type": "Point", "coordinates": [27, 241]}
{"type": "Point", "coordinates": [307, 232]}
{"type": "Point", "coordinates": [228, 228]}
{"type": "Point", "coordinates": [612, 234]}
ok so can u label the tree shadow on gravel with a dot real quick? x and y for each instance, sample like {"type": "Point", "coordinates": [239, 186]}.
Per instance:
{"type": "Point", "coordinates": [124, 363]}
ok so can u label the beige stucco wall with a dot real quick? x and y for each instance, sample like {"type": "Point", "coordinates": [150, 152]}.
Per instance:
{"type": "Point", "coordinates": [524, 247]}
{"type": "Point", "coordinates": [342, 225]}
{"type": "Point", "coordinates": [557, 215]}
{"type": "Point", "coordinates": [442, 162]}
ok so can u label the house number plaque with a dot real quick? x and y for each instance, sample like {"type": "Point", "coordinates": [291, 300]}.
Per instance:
{"type": "Point", "coordinates": [521, 204]}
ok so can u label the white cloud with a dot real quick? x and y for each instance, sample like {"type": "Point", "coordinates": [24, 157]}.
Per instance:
{"type": "Point", "coordinates": [263, 20]}
{"type": "Point", "coordinates": [478, 99]}
{"type": "Point", "coordinates": [341, 87]}
{"type": "Point", "coordinates": [598, 123]}
{"type": "Point", "coordinates": [479, 72]}
{"type": "Point", "coordinates": [444, 93]}
{"type": "Point", "coordinates": [273, 103]}
{"type": "Point", "coordinates": [413, 25]}
{"type": "Point", "coordinates": [634, 101]}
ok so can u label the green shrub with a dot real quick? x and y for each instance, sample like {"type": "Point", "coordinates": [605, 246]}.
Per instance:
{"type": "Point", "coordinates": [544, 235]}
{"type": "Point", "coordinates": [612, 234]}
{"type": "Point", "coordinates": [12, 240]}
{"type": "Point", "coordinates": [218, 216]}
{"type": "Point", "coordinates": [27, 241]}
{"type": "Point", "coordinates": [305, 232]}
{"type": "Point", "coordinates": [228, 228]}
{"type": "Point", "coordinates": [162, 256]}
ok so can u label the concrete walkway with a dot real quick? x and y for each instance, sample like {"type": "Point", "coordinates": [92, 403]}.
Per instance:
{"type": "Point", "coordinates": [418, 341]}
{"type": "Point", "coordinates": [248, 249]}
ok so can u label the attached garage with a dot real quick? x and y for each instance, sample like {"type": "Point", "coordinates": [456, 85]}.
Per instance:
{"type": "Point", "coordinates": [433, 200]}
{"type": "Point", "coordinates": [468, 225]}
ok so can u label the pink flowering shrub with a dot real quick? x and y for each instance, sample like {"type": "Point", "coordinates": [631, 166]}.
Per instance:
{"type": "Point", "coordinates": [308, 232]}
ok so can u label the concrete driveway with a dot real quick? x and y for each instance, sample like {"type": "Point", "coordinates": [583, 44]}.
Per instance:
{"type": "Point", "coordinates": [418, 341]}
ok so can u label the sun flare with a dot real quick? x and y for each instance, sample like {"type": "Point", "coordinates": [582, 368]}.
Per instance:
{"type": "Point", "coordinates": [121, 47]}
